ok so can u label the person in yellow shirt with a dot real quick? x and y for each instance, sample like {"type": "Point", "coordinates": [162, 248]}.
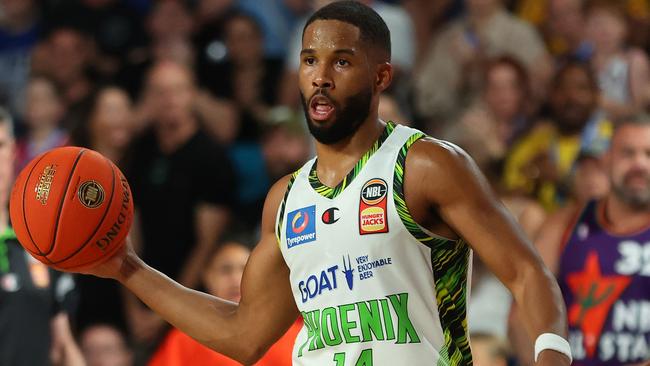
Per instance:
{"type": "Point", "coordinates": [541, 162]}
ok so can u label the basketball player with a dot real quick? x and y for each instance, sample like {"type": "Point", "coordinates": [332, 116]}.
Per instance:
{"type": "Point", "coordinates": [601, 255]}
{"type": "Point", "coordinates": [369, 244]}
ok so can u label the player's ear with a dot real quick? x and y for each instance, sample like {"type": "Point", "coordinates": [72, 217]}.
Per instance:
{"type": "Point", "coordinates": [384, 76]}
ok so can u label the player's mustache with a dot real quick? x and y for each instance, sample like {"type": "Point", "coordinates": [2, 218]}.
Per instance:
{"type": "Point", "coordinates": [322, 92]}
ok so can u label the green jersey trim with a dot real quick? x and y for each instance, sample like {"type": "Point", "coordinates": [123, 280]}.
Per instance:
{"type": "Point", "coordinates": [283, 204]}
{"type": "Point", "coordinates": [450, 263]}
{"type": "Point", "coordinates": [332, 192]}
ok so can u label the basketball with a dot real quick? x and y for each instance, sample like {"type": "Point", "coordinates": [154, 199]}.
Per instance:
{"type": "Point", "coordinates": [71, 208]}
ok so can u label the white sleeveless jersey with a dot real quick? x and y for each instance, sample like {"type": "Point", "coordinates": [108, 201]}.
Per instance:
{"type": "Point", "coordinates": [373, 287]}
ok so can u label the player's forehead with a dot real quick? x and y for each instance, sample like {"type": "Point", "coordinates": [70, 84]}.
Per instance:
{"type": "Point", "coordinates": [330, 35]}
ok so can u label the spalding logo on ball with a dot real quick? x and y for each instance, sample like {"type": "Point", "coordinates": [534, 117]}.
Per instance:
{"type": "Point", "coordinates": [71, 208]}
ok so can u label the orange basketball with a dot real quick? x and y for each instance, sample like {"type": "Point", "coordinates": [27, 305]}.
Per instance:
{"type": "Point", "coordinates": [71, 208]}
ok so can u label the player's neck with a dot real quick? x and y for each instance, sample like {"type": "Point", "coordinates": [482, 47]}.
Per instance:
{"type": "Point", "coordinates": [622, 218]}
{"type": "Point", "coordinates": [336, 160]}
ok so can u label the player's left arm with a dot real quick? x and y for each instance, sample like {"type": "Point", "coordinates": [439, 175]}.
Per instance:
{"type": "Point", "coordinates": [443, 177]}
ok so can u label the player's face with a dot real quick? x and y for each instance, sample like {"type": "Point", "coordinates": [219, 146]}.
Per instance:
{"type": "Point", "coordinates": [223, 277]}
{"type": "Point", "coordinates": [336, 80]}
{"type": "Point", "coordinates": [629, 165]}
{"type": "Point", "coordinates": [6, 162]}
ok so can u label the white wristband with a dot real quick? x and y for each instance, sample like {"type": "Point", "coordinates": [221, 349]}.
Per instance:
{"type": "Point", "coordinates": [553, 342]}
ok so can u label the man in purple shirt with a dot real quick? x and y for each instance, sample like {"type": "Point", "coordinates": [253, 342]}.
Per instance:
{"type": "Point", "coordinates": [601, 255]}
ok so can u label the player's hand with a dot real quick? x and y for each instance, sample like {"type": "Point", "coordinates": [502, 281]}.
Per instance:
{"type": "Point", "coordinates": [552, 358]}
{"type": "Point", "coordinates": [118, 267]}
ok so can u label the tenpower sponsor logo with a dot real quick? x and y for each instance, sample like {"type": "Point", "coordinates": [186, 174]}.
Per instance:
{"type": "Point", "coordinates": [301, 226]}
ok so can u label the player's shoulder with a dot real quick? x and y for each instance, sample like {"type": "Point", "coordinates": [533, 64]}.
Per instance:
{"type": "Point", "coordinates": [432, 154]}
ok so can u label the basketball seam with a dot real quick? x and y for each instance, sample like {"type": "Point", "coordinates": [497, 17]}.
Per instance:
{"type": "Point", "coordinates": [62, 201]}
{"type": "Point", "coordinates": [40, 253]}
{"type": "Point", "coordinates": [99, 225]}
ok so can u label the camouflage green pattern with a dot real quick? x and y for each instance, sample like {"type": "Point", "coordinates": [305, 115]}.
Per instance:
{"type": "Point", "coordinates": [450, 263]}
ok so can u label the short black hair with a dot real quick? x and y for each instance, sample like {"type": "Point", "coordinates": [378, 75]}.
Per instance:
{"type": "Point", "coordinates": [372, 28]}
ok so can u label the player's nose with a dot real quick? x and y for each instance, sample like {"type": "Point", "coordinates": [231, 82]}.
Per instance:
{"type": "Point", "coordinates": [323, 79]}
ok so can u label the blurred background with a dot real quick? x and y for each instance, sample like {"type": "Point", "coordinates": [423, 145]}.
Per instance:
{"type": "Point", "coordinates": [197, 102]}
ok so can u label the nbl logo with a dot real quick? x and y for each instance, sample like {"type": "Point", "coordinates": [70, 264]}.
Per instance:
{"type": "Point", "coordinates": [372, 207]}
{"type": "Point", "coordinates": [373, 191]}
{"type": "Point", "coordinates": [301, 226]}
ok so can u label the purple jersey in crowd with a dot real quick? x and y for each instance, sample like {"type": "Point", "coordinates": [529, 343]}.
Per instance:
{"type": "Point", "coordinates": [605, 280]}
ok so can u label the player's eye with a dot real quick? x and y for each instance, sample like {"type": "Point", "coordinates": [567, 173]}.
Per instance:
{"type": "Point", "coordinates": [309, 60]}
{"type": "Point", "coordinates": [342, 62]}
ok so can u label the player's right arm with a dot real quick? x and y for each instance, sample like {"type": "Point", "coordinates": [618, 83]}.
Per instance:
{"type": "Point", "coordinates": [241, 331]}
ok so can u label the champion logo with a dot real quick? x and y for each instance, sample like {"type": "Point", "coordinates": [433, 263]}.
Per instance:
{"type": "Point", "coordinates": [331, 215]}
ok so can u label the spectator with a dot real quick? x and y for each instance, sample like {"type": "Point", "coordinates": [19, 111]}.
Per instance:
{"type": "Point", "coordinates": [488, 350]}
{"type": "Point", "coordinates": [34, 299]}
{"type": "Point", "coordinates": [623, 73]}
{"type": "Point", "coordinates": [183, 185]}
{"type": "Point", "coordinates": [209, 17]}
{"type": "Point", "coordinates": [561, 23]}
{"type": "Point", "coordinates": [170, 28]}
{"type": "Point", "coordinates": [589, 180]}
{"type": "Point", "coordinates": [277, 19]}
{"type": "Point", "coordinates": [105, 345]}
{"type": "Point", "coordinates": [65, 57]}
{"type": "Point", "coordinates": [110, 126]}
{"type": "Point", "coordinates": [487, 130]}
{"type": "Point", "coordinates": [20, 29]}
{"type": "Point", "coordinates": [246, 77]}
{"type": "Point", "coordinates": [109, 130]}
{"type": "Point", "coordinates": [449, 76]}
{"type": "Point", "coordinates": [541, 161]}
{"type": "Point", "coordinates": [222, 278]}
{"type": "Point", "coordinates": [114, 25]}
{"type": "Point", "coordinates": [43, 114]}
{"type": "Point", "coordinates": [595, 250]}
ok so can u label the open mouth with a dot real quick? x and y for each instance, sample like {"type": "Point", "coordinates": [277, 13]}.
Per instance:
{"type": "Point", "coordinates": [321, 108]}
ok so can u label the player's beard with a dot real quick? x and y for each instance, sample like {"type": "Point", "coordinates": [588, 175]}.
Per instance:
{"type": "Point", "coordinates": [349, 116]}
{"type": "Point", "coordinates": [638, 199]}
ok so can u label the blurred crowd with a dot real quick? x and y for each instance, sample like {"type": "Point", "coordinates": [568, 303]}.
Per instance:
{"type": "Point", "coordinates": [197, 102]}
